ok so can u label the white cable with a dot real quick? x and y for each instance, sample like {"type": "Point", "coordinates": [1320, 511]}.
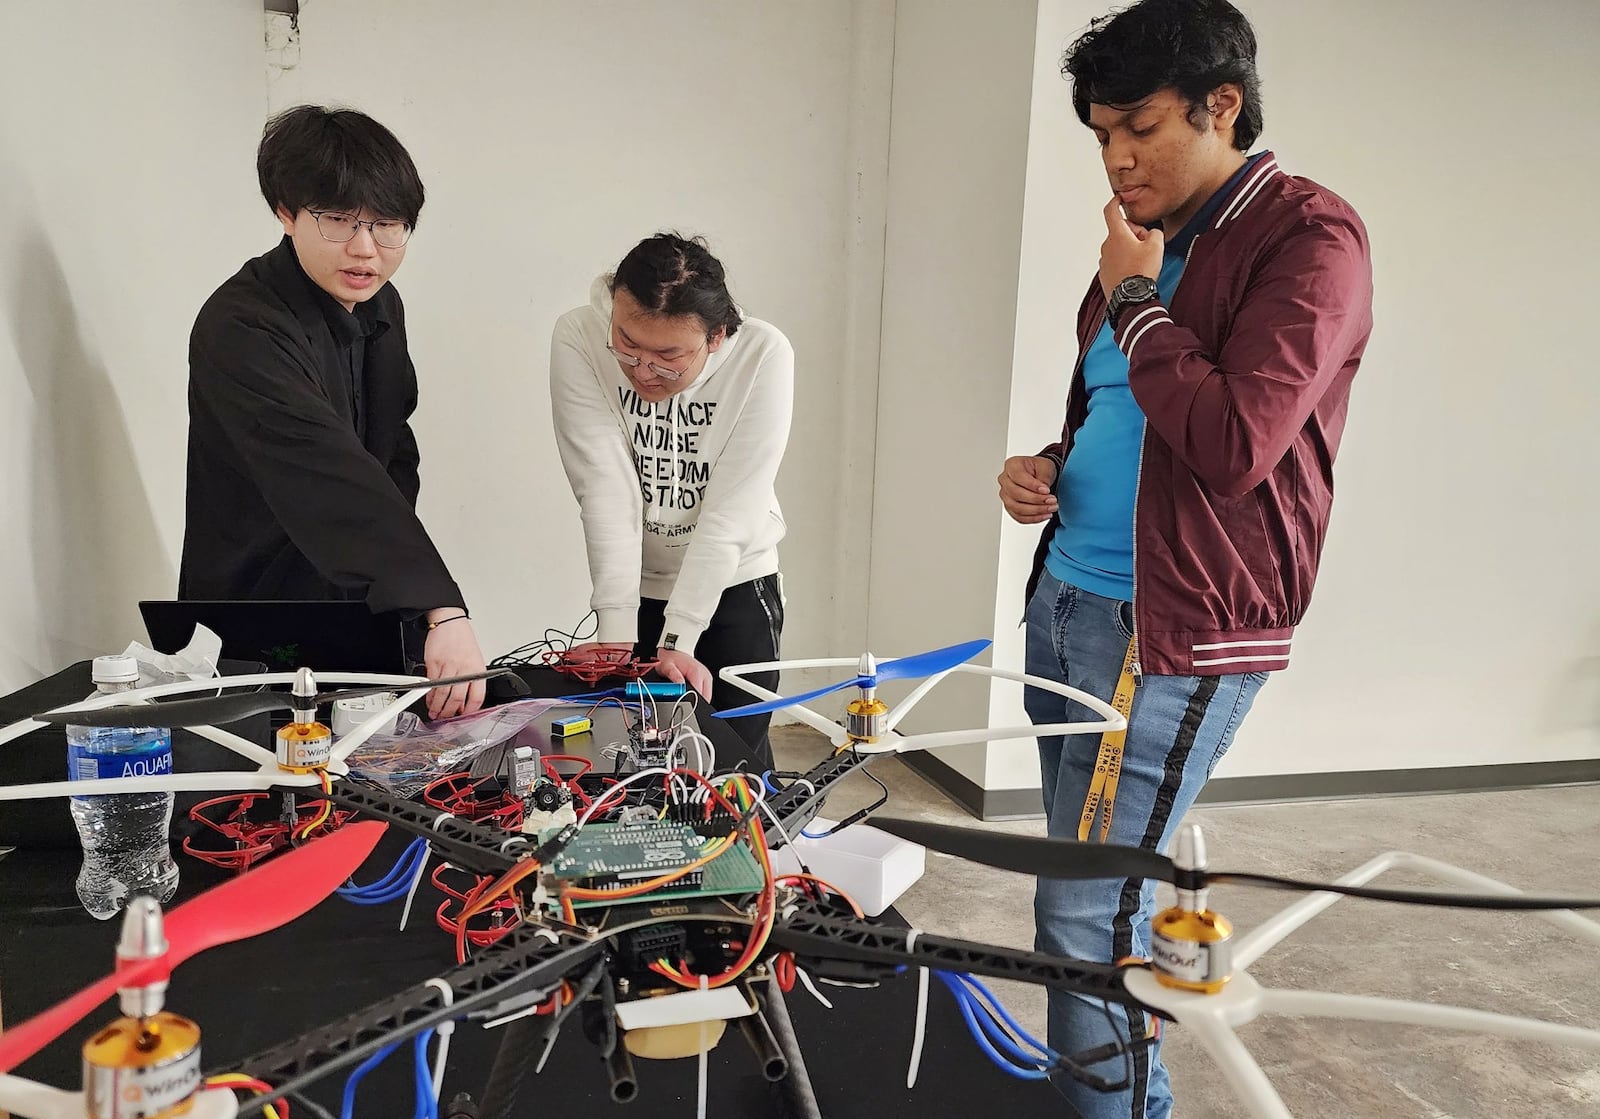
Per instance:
{"type": "Point", "coordinates": [805, 978]}
{"type": "Point", "coordinates": [704, 1055]}
{"type": "Point", "coordinates": [405, 914]}
{"type": "Point", "coordinates": [442, 1031]}
{"type": "Point", "coordinates": [624, 783]}
{"type": "Point", "coordinates": [921, 1028]}
{"type": "Point", "coordinates": [705, 751]}
{"type": "Point", "coordinates": [777, 823]}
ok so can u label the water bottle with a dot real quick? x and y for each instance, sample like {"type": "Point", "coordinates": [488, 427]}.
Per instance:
{"type": "Point", "coordinates": [124, 836]}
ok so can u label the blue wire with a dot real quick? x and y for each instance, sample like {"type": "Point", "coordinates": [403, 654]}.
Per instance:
{"type": "Point", "coordinates": [965, 1001]}
{"type": "Point", "coordinates": [995, 1007]}
{"type": "Point", "coordinates": [997, 1035]}
{"type": "Point", "coordinates": [965, 1007]}
{"type": "Point", "coordinates": [427, 1106]}
{"type": "Point", "coordinates": [347, 1105]}
{"type": "Point", "coordinates": [422, 1078]}
{"type": "Point", "coordinates": [393, 885]}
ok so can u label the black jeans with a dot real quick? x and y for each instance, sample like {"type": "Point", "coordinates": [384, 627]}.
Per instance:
{"type": "Point", "coordinates": [746, 627]}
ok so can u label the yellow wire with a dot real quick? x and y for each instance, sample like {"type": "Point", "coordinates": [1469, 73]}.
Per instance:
{"type": "Point", "coordinates": [327, 808]}
{"type": "Point", "coordinates": [231, 1079]}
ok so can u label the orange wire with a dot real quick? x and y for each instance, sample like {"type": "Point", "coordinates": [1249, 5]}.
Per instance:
{"type": "Point", "coordinates": [583, 894]}
{"type": "Point", "coordinates": [832, 889]}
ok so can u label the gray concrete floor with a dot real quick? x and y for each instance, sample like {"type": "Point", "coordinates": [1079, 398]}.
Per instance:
{"type": "Point", "coordinates": [1539, 840]}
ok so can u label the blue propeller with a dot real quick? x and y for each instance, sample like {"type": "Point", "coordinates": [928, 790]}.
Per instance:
{"type": "Point", "coordinates": [904, 668]}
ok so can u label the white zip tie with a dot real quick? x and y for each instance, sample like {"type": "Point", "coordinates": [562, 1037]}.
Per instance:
{"type": "Point", "coordinates": [512, 1017]}
{"type": "Point", "coordinates": [443, 1031]}
{"type": "Point", "coordinates": [812, 987]}
{"type": "Point", "coordinates": [921, 1028]}
{"type": "Point", "coordinates": [405, 914]}
{"type": "Point", "coordinates": [704, 1059]}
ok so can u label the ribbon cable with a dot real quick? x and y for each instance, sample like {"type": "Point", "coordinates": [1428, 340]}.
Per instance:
{"type": "Point", "coordinates": [1108, 763]}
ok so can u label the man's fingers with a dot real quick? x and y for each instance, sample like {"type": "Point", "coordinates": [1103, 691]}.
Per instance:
{"type": "Point", "coordinates": [475, 693]}
{"type": "Point", "coordinates": [1011, 491]}
{"type": "Point", "coordinates": [1114, 219]}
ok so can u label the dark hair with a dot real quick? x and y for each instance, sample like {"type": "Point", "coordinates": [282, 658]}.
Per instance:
{"type": "Point", "coordinates": [669, 275]}
{"type": "Point", "coordinates": [1191, 46]}
{"type": "Point", "coordinates": [312, 156]}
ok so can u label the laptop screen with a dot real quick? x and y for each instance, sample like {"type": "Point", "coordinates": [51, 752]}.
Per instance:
{"type": "Point", "coordinates": [326, 636]}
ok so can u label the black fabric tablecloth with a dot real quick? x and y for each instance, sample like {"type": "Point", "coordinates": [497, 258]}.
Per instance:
{"type": "Point", "coordinates": [341, 957]}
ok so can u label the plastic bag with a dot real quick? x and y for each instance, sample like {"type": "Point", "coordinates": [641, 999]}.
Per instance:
{"type": "Point", "coordinates": [419, 753]}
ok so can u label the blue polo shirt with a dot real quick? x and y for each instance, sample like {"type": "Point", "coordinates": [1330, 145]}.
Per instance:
{"type": "Point", "coordinates": [1092, 547]}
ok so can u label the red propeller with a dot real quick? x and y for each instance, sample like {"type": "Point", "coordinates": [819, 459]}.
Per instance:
{"type": "Point", "coordinates": [259, 901]}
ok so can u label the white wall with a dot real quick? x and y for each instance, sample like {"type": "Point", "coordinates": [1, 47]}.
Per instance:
{"type": "Point", "coordinates": [1456, 619]}
{"type": "Point", "coordinates": [1457, 615]}
{"type": "Point", "coordinates": [958, 152]}
{"type": "Point", "coordinates": [552, 136]}
{"type": "Point", "coordinates": [1065, 190]}
{"type": "Point", "coordinates": [127, 136]}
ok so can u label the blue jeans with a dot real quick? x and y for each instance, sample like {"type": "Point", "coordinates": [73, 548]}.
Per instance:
{"type": "Point", "coordinates": [1179, 729]}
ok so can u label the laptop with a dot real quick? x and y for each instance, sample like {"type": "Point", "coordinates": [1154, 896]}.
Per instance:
{"type": "Point", "coordinates": [336, 636]}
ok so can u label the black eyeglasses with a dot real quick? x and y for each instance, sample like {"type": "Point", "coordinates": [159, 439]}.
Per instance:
{"type": "Point", "coordinates": [340, 227]}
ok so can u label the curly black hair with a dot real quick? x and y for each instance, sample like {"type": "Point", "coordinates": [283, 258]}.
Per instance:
{"type": "Point", "coordinates": [1190, 46]}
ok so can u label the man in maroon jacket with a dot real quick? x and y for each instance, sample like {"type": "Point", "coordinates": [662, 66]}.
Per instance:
{"type": "Point", "coordinates": [1187, 500]}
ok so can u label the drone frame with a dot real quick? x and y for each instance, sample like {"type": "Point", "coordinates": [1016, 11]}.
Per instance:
{"type": "Point", "coordinates": [530, 963]}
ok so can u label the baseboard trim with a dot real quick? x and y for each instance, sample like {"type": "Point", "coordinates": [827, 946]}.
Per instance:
{"type": "Point", "coordinates": [1291, 787]}
{"type": "Point", "coordinates": [985, 804]}
{"type": "Point", "coordinates": [1020, 804]}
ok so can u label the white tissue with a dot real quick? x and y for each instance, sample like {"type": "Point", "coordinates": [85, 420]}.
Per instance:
{"type": "Point", "coordinates": [195, 661]}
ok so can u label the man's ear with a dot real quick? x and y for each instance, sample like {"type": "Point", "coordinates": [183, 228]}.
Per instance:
{"type": "Point", "coordinates": [287, 219]}
{"type": "Point", "coordinates": [1224, 104]}
{"type": "Point", "coordinates": [714, 343]}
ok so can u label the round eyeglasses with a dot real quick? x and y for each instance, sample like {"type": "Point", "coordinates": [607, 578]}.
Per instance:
{"type": "Point", "coordinates": [661, 371]}
{"type": "Point", "coordinates": [387, 233]}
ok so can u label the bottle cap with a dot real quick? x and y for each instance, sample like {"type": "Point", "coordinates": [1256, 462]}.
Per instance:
{"type": "Point", "coordinates": [116, 669]}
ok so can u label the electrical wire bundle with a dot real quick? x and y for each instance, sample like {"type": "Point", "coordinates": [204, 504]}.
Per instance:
{"type": "Point", "coordinates": [394, 885]}
{"type": "Point", "coordinates": [1018, 1053]}
{"type": "Point", "coordinates": [427, 1081]}
{"type": "Point", "coordinates": [766, 907]}
{"type": "Point", "coordinates": [554, 640]}
{"type": "Point", "coordinates": [1015, 1051]}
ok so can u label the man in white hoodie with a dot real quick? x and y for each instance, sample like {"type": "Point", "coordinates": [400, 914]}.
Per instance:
{"type": "Point", "coordinates": [672, 413]}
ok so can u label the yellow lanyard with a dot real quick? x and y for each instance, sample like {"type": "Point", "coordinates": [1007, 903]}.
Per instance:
{"type": "Point", "coordinates": [1108, 764]}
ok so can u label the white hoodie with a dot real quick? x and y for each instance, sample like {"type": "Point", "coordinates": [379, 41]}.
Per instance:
{"type": "Point", "coordinates": [721, 439]}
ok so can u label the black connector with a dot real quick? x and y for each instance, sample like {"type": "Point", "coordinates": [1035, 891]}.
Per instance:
{"type": "Point", "coordinates": [639, 948]}
{"type": "Point", "coordinates": [720, 823]}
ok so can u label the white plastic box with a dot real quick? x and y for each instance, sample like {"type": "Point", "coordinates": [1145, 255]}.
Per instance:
{"type": "Point", "coordinates": [871, 866]}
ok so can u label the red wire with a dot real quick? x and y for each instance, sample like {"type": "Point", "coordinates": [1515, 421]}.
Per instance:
{"type": "Point", "coordinates": [250, 1082]}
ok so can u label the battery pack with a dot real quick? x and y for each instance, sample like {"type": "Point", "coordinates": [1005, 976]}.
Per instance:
{"type": "Point", "coordinates": [571, 725]}
{"type": "Point", "coordinates": [660, 689]}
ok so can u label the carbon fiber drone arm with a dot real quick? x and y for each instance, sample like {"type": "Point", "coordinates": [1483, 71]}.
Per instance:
{"type": "Point", "coordinates": [809, 932]}
{"type": "Point", "coordinates": [465, 844]}
{"type": "Point", "coordinates": [526, 960]}
{"type": "Point", "coordinates": [798, 804]}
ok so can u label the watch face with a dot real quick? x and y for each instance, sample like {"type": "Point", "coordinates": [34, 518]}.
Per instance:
{"type": "Point", "coordinates": [1136, 289]}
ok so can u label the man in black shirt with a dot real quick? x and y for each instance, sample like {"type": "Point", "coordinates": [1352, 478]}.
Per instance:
{"type": "Point", "coordinates": [302, 473]}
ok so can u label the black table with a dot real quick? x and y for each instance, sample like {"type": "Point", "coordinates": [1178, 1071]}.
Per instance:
{"type": "Point", "coordinates": [341, 957]}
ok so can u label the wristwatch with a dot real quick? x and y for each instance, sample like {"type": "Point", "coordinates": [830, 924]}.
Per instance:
{"type": "Point", "coordinates": [1127, 293]}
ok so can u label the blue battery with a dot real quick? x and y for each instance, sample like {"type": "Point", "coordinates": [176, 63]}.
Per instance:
{"type": "Point", "coordinates": [661, 689]}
